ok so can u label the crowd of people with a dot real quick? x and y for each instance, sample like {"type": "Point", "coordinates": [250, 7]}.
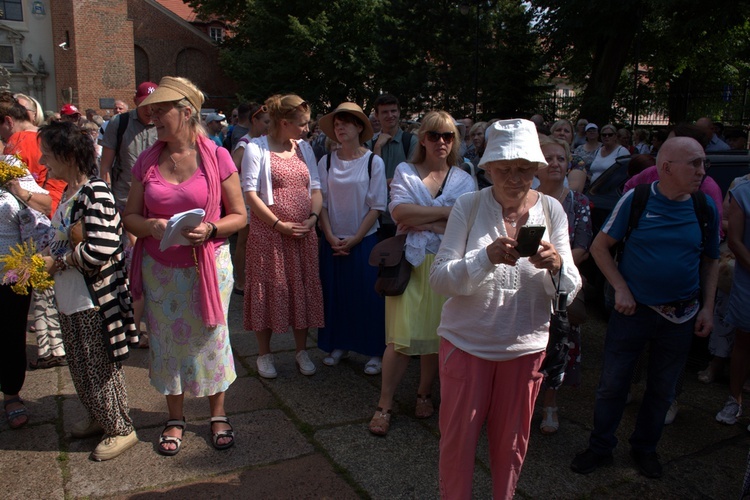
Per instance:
{"type": "Point", "coordinates": [142, 207]}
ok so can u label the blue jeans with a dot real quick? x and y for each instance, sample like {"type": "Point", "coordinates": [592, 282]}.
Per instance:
{"type": "Point", "coordinates": [627, 337]}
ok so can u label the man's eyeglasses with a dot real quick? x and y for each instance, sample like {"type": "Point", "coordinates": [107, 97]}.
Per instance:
{"type": "Point", "coordinates": [433, 136]}
{"type": "Point", "coordinates": [696, 163]}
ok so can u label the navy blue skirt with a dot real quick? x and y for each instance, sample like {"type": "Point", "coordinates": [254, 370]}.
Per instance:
{"type": "Point", "coordinates": [354, 313]}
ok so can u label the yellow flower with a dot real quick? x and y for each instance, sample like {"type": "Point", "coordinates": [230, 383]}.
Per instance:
{"type": "Point", "coordinates": [25, 269]}
{"type": "Point", "coordinates": [8, 171]}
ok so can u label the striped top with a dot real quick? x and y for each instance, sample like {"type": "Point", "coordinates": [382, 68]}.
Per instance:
{"type": "Point", "coordinates": [100, 257]}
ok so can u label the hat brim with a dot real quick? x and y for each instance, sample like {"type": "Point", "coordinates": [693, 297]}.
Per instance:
{"type": "Point", "coordinates": [326, 123]}
{"type": "Point", "coordinates": [162, 94]}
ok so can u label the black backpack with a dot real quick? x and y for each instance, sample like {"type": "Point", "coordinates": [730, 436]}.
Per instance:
{"type": "Point", "coordinates": [405, 142]}
{"type": "Point", "coordinates": [642, 192]}
{"type": "Point", "coordinates": [122, 125]}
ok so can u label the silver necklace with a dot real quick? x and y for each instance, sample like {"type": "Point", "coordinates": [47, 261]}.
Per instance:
{"type": "Point", "coordinates": [514, 221]}
{"type": "Point", "coordinates": [176, 163]}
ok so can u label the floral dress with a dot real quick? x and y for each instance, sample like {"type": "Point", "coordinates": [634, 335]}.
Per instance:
{"type": "Point", "coordinates": [283, 282]}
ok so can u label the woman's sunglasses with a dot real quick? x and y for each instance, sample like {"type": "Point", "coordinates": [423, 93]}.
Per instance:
{"type": "Point", "coordinates": [607, 134]}
{"type": "Point", "coordinates": [433, 136]}
{"type": "Point", "coordinates": [262, 109]}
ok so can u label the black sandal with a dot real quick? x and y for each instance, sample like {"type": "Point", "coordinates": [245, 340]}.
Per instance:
{"type": "Point", "coordinates": [227, 433]}
{"type": "Point", "coordinates": [177, 441]}
{"type": "Point", "coordinates": [48, 362]}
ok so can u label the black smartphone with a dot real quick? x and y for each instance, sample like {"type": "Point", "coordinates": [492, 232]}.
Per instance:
{"type": "Point", "coordinates": [529, 238]}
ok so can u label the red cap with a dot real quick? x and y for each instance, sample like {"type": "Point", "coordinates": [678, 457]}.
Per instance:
{"type": "Point", "coordinates": [69, 109]}
{"type": "Point", "coordinates": [144, 90]}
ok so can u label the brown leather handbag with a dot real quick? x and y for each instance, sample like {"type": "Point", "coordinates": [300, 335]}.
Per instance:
{"type": "Point", "coordinates": [394, 270]}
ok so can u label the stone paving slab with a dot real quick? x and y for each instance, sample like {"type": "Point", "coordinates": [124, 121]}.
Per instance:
{"type": "Point", "coordinates": [402, 465]}
{"type": "Point", "coordinates": [263, 437]}
{"type": "Point", "coordinates": [29, 466]}
{"type": "Point", "coordinates": [300, 478]}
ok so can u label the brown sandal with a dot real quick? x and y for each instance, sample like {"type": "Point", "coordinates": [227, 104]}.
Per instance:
{"type": "Point", "coordinates": [380, 422]}
{"type": "Point", "coordinates": [424, 407]}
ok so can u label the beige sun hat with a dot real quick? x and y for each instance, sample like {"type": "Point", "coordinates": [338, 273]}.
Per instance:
{"type": "Point", "coordinates": [171, 89]}
{"type": "Point", "coordinates": [326, 123]}
{"type": "Point", "coordinates": [514, 139]}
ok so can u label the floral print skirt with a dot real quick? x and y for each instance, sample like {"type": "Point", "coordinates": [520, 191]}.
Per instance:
{"type": "Point", "coordinates": [186, 356]}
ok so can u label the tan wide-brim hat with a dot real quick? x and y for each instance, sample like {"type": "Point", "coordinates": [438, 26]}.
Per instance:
{"type": "Point", "coordinates": [515, 139]}
{"type": "Point", "coordinates": [326, 123]}
{"type": "Point", "coordinates": [171, 89]}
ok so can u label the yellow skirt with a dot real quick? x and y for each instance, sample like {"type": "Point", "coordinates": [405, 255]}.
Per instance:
{"type": "Point", "coordinates": [412, 319]}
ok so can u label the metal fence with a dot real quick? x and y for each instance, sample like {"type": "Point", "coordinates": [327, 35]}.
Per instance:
{"type": "Point", "coordinates": [730, 105]}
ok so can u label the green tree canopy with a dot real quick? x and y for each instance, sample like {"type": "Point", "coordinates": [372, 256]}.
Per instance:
{"type": "Point", "coordinates": [356, 49]}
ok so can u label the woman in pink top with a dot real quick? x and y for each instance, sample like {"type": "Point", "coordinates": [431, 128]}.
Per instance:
{"type": "Point", "coordinates": [186, 286]}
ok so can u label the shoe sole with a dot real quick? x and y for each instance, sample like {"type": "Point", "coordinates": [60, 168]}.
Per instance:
{"type": "Point", "coordinates": [307, 373]}
{"type": "Point", "coordinates": [726, 421]}
{"type": "Point", "coordinates": [268, 375]}
{"type": "Point", "coordinates": [110, 455]}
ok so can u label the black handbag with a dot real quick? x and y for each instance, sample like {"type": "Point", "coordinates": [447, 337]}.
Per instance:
{"type": "Point", "coordinates": [558, 345]}
{"type": "Point", "coordinates": [394, 270]}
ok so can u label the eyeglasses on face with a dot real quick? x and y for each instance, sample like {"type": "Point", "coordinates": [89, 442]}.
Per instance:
{"type": "Point", "coordinates": [696, 163]}
{"type": "Point", "coordinates": [433, 136]}
{"type": "Point", "coordinates": [607, 134]}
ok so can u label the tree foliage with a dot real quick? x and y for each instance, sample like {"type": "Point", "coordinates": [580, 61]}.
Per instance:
{"type": "Point", "coordinates": [687, 47]}
{"type": "Point", "coordinates": [356, 49]}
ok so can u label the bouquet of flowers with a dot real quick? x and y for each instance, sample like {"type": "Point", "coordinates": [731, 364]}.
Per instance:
{"type": "Point", "coordinates": [24, 269]}
{"type": "Point", "coordinates": [10, 169]}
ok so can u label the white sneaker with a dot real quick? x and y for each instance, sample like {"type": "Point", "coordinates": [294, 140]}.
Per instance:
{"type": "Point", "coordinates": [305, 365]}
{"type": "Point", "coordinates": [266, 368]}
{"type": "Point", "coordinates": [374, 366]}
{"type": "Point", "coordinates": [671, 413]}
{"type": "Point", "coordinates": [335, 356]}
{"type": "Point", "coordinates": [112, 446]}
{"type": "Point", "coordinates": [730, 413]}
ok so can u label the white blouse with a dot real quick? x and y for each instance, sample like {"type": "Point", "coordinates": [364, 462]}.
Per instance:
{"type": "Point", "coordinates": [407, 187]}
{"type": "Point", "coordinates": [349, 192]}
{"type": "Point", "coordinates": [495, 311]}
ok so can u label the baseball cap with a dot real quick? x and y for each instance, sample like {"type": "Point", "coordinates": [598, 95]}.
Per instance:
{"type": "Point", "coordinates": [215, 117]}
{"type": "Point", "coordinates": [144, 90]}
{"type": "Point", "coordinates": [69, 110]}
{"type": "Point", "coordinates": [590, 126]}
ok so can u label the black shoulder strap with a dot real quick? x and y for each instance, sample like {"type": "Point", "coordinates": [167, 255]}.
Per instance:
{"type": "Point", "coordinates": [640, 197]}
{"type": "Point", "coordinates": [406, 143]}
{"type": "Point", "coordinates": [637, 206]}
{"type": "Point", "coordinates": [703, 214]}
{"type": "Point", "coordinates": [369, 164]}
{"type": "Point", "coordinates": [122, 125]}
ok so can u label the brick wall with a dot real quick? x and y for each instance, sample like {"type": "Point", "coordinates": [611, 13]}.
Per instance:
{"type": "Point", "coordinates": [171, 49]}
{"type": "Point", "coordinates": [105, 36]}
{"type": "Point", "coordinates": [100, 62]}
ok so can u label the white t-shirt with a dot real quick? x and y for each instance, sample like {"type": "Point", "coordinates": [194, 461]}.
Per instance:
{"type": "Point", "coordinates": [602, 163]}
{"type": "Point", "coordinates": [349, 192]}
{"type": "Point", "coordinates": [71, 292]}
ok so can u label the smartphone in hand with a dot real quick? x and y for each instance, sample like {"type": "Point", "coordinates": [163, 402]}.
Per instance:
{"type": "Point", "coordinates": [529, 238]}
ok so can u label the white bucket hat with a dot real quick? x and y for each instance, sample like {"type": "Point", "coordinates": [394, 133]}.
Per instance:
{"type": "Point", "coordinates": [514, 139]}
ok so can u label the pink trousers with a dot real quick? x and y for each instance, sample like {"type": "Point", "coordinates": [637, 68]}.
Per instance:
{"type": "Point", "coordinates": [473, 390]}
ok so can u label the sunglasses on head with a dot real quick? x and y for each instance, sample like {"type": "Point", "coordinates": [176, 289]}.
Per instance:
{"type": "Point", "coordinates": [262, 109]}
{"type": "Point", "coordinates": [433, 136]}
